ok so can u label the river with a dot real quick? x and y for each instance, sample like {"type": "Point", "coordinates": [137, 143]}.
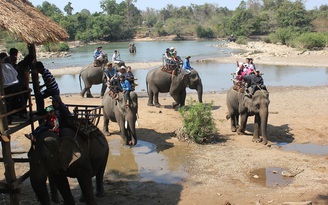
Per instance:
{"type": "Point", "coordinates": [215, 76]}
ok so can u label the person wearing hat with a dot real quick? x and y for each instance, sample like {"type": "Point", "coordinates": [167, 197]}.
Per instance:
{"type": "Point", "coordinates": [250, 64]}
{"type": "Point", "coordinates": [254, 81]}
{"type": "Point", "coordinates": [116, 57]}
{"type": "Point", "coordinates": [51, 123]}
{"type": "Point", "coordinates": [186, 65]}
{"type": "Point", "coordinates": [126, 89]}
{"type": "Point", "coordinates": [97, 55]}
{"type": "Point", "coordinates": [110, 73]}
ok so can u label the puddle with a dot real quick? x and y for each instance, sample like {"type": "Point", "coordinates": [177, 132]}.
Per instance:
{"type": "Point", "coordinates": [305, 148]}
{"type": "Point", "coordinates": [270, 177]}
{"type": "Point", "coordinates": [146, 162]}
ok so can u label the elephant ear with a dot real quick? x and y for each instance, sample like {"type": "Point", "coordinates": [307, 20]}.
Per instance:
{"type": "Point", "coordinates": [121, 103]}
{"type": "Point", "coordinates": [69, 152]}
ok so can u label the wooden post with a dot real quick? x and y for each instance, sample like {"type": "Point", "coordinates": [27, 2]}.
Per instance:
{"type": "Point", "coordinates": [8, 162]}
{"type": "Point", "coordinates": [35, 80]}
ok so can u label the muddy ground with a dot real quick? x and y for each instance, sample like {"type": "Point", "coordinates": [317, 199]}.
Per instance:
{"type": "Point", "coordinates": [229, 171]}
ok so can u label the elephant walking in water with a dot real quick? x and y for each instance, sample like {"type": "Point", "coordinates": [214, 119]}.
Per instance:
{"type": "Point", "coordinates": [257, 105]}
{"type": "Point", "coordinates": [132, 48]}
{"type": "Point", "coordinates": [52, 156]}
{"type": "Point", "coordinates": [126, 117]}
{"type": "Point", "coordinates": [158, 81]}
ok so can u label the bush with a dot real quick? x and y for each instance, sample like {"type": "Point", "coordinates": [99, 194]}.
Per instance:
{"type": "Point", "coordinates": [242, 40]}
{"type": "Point", "coordinates": [198, 123]}
{"type": "Point", "coordinates": [204, 32]}
{"type": "Point", "coordinates": [283, 36]}
{"type": "Point", "coordinates": [311, 41]}
{"type": "Point", "coordinates": [55, 47]}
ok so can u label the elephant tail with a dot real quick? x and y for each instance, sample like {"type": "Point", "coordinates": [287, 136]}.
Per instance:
{"type": "Point", "coordinates": [147, 86]}
{"type": "Point", "coordinates": [80, 82]}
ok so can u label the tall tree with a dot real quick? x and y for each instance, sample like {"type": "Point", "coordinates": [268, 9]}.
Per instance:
{"type": "Point", "coordinates": [68, 8]}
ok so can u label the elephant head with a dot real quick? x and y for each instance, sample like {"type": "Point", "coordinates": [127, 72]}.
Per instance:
{"type": "Point", "coordinates": [48, 155]}
{"type": "Point", "coordinates": [125, 116]}
{"type": "Point", "coordinates": [258, 105]}
{"type": "Point", "coordinates": [183, 80]}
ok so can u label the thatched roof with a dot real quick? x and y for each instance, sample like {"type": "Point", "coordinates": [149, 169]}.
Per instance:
{"type": "Point", "coordinates": [28, 23]}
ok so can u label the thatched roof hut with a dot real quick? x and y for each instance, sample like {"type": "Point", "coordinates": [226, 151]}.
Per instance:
{"type": "Point", "coordinates": [21, 18]}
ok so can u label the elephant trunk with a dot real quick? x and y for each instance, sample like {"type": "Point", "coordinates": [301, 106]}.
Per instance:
{"type": "Point", "coordinates": [200, 91]}
{"type": "Point", "coordinates": [264, 114]}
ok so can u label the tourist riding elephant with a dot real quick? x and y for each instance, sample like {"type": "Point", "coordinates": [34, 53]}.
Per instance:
{"type": "Point", "coordinates": [92, 75]}
{"type": "Point", "coordinates": [158, 81]}
{"type": "Point", "coordinates": [72, 154]}
{"type": "Point", "coordinates": [257, 104]}
{"type": "Point", "coordinates": [132, 48]}
{"type": "Point", "coordinates": [126, 117]}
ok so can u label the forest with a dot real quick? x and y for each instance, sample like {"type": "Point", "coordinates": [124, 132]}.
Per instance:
{"type": "Point", "coordinates": [276, 21]}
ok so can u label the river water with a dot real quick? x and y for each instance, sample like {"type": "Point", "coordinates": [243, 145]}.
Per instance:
{"type": "Point", "coordinates": [215, 76]}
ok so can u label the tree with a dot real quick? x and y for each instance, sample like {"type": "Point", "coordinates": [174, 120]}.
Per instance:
{"type": "Point", "coordinates": [49, 9]}
{"type": "Point", "coordinates": [68, 8]}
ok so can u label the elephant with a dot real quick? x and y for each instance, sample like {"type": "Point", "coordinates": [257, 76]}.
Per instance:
{"type": "Point", "coordinates": [158, 81]}
{"type": "Point", "coordinates": [126, 117]}
{"type": "Point", "coordinates": [132, 48]}
{"type": "Point", "coordinates": [258, 105]}
{"type": "Point", "coordinates": [93, 75]}
{"type": "Point", "coordinates": [52, 155]}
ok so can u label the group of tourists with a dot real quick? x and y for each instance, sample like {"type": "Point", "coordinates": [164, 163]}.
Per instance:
{"type": "Point", "coordinates": [118, 80]}
{"type": "Point", "coordinates": [172, 61]}
{"type": "Point", "coordinates": [246, 73]}
{"type": "Point", "coordinates": [17, 78]}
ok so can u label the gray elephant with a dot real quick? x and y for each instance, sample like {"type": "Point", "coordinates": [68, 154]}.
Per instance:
{"type": "Point", "coordinates": [158, 81]}
{"type": "Point", "coordinates": [126, 117]}
{"type": "Point", "coordinates": [257, 105]}
{"type": "Point", "coordinates": [132, 48]}
{"type": "Point", "coordinates": [53, 156]}
{"type": "Point", "coordinates": [93, 75]}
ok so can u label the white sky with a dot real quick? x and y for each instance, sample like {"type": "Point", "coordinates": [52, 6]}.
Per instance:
{"type": "Point", "coordinates": [94, 5]}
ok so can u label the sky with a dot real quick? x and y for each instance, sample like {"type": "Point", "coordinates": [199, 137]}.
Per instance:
{"type": "Point", "coordinates": [94, 5]}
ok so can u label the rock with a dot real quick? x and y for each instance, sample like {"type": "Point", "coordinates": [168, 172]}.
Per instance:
{"type": "Point", "coordinates": [298, 203]}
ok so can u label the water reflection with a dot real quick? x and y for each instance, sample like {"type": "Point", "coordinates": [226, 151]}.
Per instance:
{"type": "Point", "coordinates": [307, 148]}
{"type": "Point", "coordinates": [144, 163]}
{"type": "Point", "coordinates": [270, 177]}
{"type": "Point", "coordinates": [216, 77]}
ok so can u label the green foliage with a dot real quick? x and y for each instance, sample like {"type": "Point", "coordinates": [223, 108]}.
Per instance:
{"type": "Point", "coordinates": [242, 40]}
{"type": "Point", "coordinates": [20, 46]}
{"type": "Point", "coordinates": [198, 123]}
{"type": "Point", "coordinates": [283, 36]}
{"type": "Point", "coordinates": [55, 47]}
{"type": "Point", "coordinates": [204, 32]}
{"type": "Point", "coordinates": [311, 41]}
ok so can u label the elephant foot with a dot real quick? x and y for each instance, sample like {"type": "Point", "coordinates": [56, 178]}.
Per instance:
{"type": "Point", "coordinates": [89, 96]}
{"type": "Point", "coordinates": [158, 105]}
{"type": "Point", "coordinates": [233, 129]}
{"type": "Point", "coordinates": [257, 140]}
{"type": "Point", "coordinates": [240, 132]}
{"type": "Point", "coordinates": [150, 104]}
{"type": "Point", "coordinates": [82, 95]}
{"type": "Point", "coordinates": [55, 198]}
{"type": "Point", "coordinates": [174, 105]}
{"type": "Point", "coordinates": [100, 193]}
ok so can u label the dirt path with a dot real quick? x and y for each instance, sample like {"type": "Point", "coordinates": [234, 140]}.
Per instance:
{"type": "Point", "coordinates": [226, 171]}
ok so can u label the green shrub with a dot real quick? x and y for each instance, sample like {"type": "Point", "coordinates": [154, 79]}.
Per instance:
{"type": "Point", "coordinates": [55, 47]}
{"type": "Point", "coordinates": [204, 32]}
{"type": "Point", "coordinates": [283, 36]}
{"type": "Point", "coordinates": [198, 123]}
{"type": "Point", "coordinates": [311, 41]}
{"type": "Point", "coordinates": [242, 40]}
{"type": "Point", "coordinates": [20, 46]}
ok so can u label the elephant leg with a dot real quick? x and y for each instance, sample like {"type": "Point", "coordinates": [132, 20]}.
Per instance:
{"type": "Point", "coordinates": [64, 189]}
{"type": "Point", "coordinates": [257, 125]}
{"type": "Point", "coordinates": [89, 95]}
{"type": "Point", "coordinates": [103, 90]}
{"type": "Point", "coordinates": [150, 98]}
{"type": "Point", "coordinates": [83, 92]}
{"type": "Point", "coordinates": [85, 182]}
{"type": "Point", "coordinates": [183, 95]}
{"type": "Point", "coordinates": [156, 101]}
{"type": "Point", "coordinates": [100, 192]}
{"type": "Point", "coordinates": [38, 180]}
{"type": "Point", "coordinates": [242, 127]}
{"type": "Point", "coordinates": [53, 189]}
{"type": "Point", "coordinates": [233, 123]}
{"type": "Point", "coordinates": [105, 127]}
